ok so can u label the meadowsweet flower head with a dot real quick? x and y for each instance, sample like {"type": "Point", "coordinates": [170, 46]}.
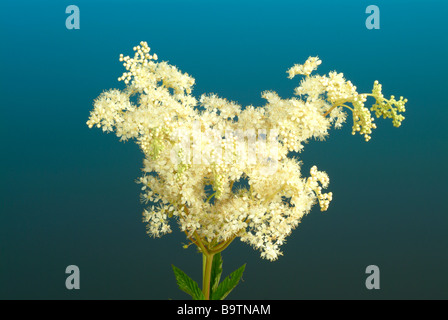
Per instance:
{"type": "Point", "coordinates": [222, 171]}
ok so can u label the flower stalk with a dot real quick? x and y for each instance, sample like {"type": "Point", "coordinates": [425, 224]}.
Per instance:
{"type": "Point", "coordinates": [207, 271]}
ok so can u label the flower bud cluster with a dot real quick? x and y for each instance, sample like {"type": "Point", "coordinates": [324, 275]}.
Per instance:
{"type": "Point", "coordinates": [388, 108]}
{"type": "Point", "coordinates": [309, 66]}
{"type": "Point", "coordinates": [141, 57]}
{"type": "Point", "coordinates": [313, 184]}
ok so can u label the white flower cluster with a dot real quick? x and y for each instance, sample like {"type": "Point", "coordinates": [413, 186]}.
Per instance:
{"type": "Point", "coordinates": [305, 69]}
{"type": "Point", "coordinates": [220, 170]}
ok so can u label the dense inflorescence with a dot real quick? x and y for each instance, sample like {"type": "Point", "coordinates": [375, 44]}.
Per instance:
{"type": "Point", "coordinates": [223, 171]}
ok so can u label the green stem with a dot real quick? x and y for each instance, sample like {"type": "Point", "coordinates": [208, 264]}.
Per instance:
{"type": "Point", "coordinates": [220, 247]}
{"type": "Point", "coordinates": [335, 106]}
{"type": "Point", "coordinates": [200, 244]}
{"type": "Point", "coordinates": [208, 199]}
{"type": "Point", "coordinates": [207, 260]}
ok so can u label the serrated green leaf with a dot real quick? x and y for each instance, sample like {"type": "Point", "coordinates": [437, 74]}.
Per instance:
{"type": "Point", "coordinates": [216, 272]}
{"type": "Point", "coordinates": [228, 284]}
{"type": "Point", "coordinates": [187, 285]}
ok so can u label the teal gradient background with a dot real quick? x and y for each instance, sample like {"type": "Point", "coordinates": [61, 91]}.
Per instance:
{"type": "Point", "coordinates": [68, 193]}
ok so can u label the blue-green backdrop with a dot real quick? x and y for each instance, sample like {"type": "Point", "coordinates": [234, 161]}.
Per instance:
{"type": "Point", "coordinates": [68, 193]}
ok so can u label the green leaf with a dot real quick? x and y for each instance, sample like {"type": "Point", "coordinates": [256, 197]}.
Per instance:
{"type": "Point", "coordinates": [187, 285]}
{"type": "Point", "coordinates": [216, 272]}
{"type": "Point", "coordinates": [228, 284]}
